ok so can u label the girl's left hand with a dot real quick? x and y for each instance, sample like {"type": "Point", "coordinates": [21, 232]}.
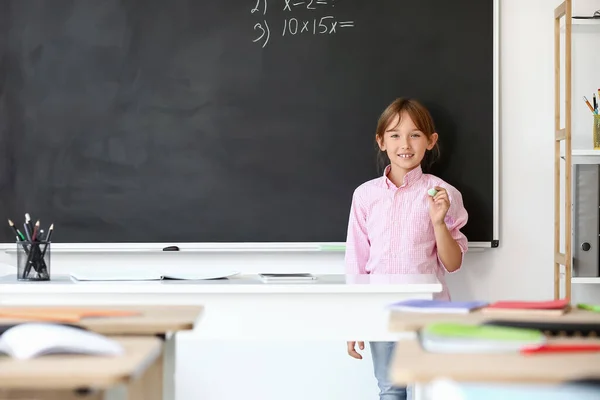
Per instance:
{"type": "Point", "coordinates": [438, 206]}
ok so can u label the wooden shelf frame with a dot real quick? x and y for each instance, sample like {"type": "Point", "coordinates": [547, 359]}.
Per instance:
{"type": "Point", "coordinates": [564, 10]}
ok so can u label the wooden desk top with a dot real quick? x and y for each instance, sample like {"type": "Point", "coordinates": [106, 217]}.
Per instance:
{"type": "Point", "coordinates": [68, 372]}
{"type": "Point", "coordinates": [413, 321]}
{"type": "Point", "coordinates": [153, 320]}
{"type": "Point", "coordinates": [411, 364]}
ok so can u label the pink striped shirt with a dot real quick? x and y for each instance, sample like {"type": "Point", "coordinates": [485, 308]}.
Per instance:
{"type": "Point", "coordinates": [390, 231]}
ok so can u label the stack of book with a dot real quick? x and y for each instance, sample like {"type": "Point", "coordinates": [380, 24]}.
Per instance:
{"type": "Point", "coordinates": [501, 326]}
{"type": "Point", "coordinates": [546, 308]}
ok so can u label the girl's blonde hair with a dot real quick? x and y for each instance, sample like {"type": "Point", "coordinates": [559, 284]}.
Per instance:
{"type": "Point", "coordinates": [422, 120]}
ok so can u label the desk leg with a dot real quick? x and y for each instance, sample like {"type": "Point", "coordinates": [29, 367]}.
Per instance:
{"type": "Point", "coordinates": [169, 367]}
{"type": "Point", "coordinates": [149, 386]}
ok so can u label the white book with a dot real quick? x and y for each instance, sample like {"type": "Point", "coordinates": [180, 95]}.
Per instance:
{"type": "Point", "coordinates": [149, 276]}
{"type": "Point", "coordinates": [465, 346]}
{"type": "Point", "coordinates": [30, 340]}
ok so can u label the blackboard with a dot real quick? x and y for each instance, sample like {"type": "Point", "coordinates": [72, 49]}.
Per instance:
{"type": "Point", "coordinates": [231, 120]}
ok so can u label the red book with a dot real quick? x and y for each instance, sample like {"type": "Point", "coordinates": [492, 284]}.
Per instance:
{"type": "Point", "coordinates": [550, 307]}
{"type": "Point", "coordinates": [562, 348]}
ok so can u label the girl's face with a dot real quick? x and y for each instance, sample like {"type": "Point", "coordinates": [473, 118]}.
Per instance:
{"type": "Point", "coordinates": [405, 144]}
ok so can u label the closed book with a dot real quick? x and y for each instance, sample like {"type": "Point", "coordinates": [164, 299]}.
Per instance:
{"type": "Point", "coordinates": [550, 307]}
{"type": "Point", "coordinates": [437, 306]}
{"type": "Point", "coordinates": [470, 338]}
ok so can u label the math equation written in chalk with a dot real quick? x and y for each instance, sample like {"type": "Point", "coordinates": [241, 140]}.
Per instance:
{"type": "Point", "coordinates": [322, 20]}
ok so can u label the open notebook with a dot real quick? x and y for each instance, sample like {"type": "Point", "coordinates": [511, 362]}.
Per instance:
{"type": "Point", "coordinates": [148, 276]}
{"type": "Point", "coordinates": [34, 339]}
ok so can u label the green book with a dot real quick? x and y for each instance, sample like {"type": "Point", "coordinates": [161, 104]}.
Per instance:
{"type": "Point", "coordinates": [487, 332]}
{"type": "Point", "coordinates": [449, 337]}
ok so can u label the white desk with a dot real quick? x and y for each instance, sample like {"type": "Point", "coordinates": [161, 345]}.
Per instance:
{"type": "Point", "coordinates": [334, 307]}
{"type": "Point", "coordinates": [246, 319]}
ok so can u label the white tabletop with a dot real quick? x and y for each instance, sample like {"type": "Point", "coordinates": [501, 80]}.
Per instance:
{"type": "Point", "coordinates": [334, 307]}
{"type": "Point", "coordinates": [237, 284]}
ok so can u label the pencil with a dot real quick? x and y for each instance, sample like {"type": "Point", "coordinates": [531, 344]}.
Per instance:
{"type": "Point", "coordinates": [17, 231]}
{"type": "Point", "coordinates": [589, 105]}
{"type": "Point", "coordinates": [29, 225]}
{"type": "Point", "coordinates": [20, 239]}
{"type": "Point", "coordinates": [27, 234]}
{"type": "Point", "coordinates": [44, 270]}
{"type": "Point", "coordinates": [36, 230]}
{"type": "Point", "coordinates": [47, 240]}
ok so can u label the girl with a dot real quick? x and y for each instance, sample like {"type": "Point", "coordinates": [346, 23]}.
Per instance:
{"type": "Point", "coordinates": [396, 226]}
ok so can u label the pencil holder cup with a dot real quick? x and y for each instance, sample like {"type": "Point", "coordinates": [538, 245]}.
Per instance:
{"type": "Point", "coordinates": [596, 132]}
{"type": "Point", "coordinates": [33, 261]}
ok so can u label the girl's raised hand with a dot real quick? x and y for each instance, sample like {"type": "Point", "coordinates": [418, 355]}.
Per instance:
{"type": "Point", "coordinates": [438, 206]}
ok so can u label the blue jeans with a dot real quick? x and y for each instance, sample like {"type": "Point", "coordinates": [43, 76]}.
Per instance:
{"type": "Point", "coordinates": [382, 352]}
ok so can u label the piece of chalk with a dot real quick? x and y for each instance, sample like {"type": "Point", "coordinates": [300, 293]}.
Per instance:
{"type": "Point", "coordinates": [432, 192]}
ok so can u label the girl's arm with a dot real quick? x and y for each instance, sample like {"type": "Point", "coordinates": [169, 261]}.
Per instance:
{"type": "Point", "coordinates": [449, 216]}
{"type": "Point", "coordinates": [449, 252]}
{"type": "Point", "coordinates": [357, 241]}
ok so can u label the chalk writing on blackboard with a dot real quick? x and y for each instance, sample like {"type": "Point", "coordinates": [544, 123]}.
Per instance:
{"type": "Point", "coordinates": [263, 27]}
{"type": "Point", "coordinates": [309, 4]}
{"type": "Point", "coordinates": [259, 4]}
{"type": "Point", "coordinates": [324, 25]}
{"type": "Point", "coordinates": [318, 25]}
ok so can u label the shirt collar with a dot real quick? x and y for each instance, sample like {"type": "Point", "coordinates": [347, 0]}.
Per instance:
{"type": "Point", "coordinates": [410, 177]}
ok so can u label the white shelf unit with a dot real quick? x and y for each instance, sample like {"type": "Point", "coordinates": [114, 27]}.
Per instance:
{"type": "Point", "coordinates": [586, 21]}
{"type": "Point", "coordinates": [579, 70]}
{"type": "Point", "coordinates": [584, 156]}
{"type": "Point", "coordinates": [585, 153]}
{"type": "Point", "coordinates": [585, 280]}
{"type": "Point", "coordinates": [582, 24]}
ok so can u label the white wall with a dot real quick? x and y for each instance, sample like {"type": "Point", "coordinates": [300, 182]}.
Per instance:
{"type": "Point", "coordinates": [522, 267]}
